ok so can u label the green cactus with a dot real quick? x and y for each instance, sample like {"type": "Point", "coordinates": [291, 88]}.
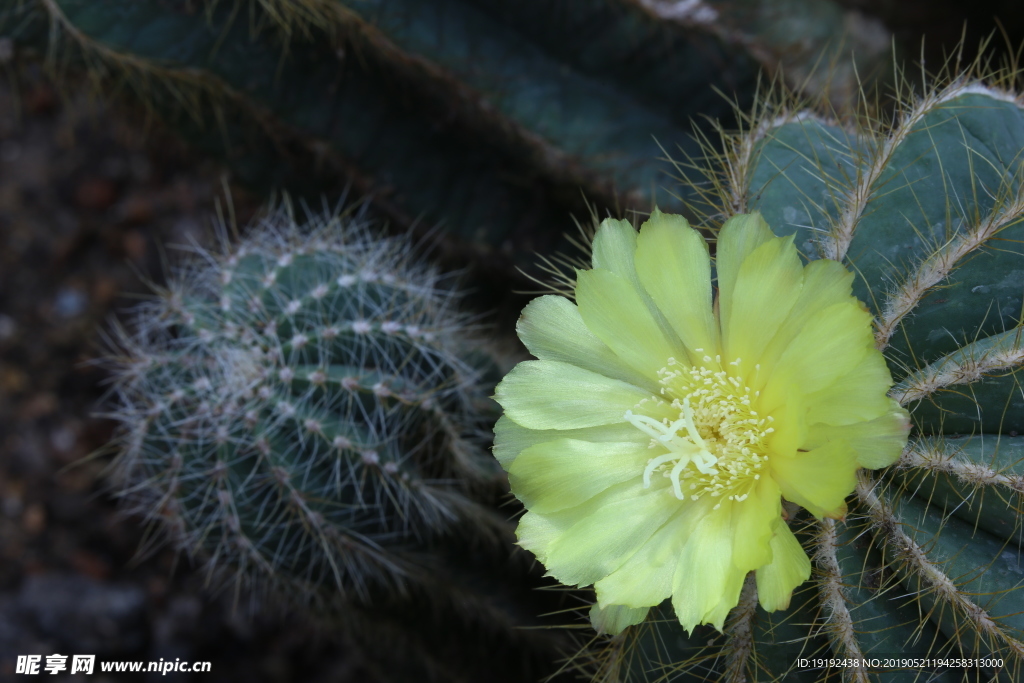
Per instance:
{"type": "Point", "coordinates": [929, 212]}
{"type": "Point", "coordinates": [306, 412]}
{"type": "Point", "coordinates": [346, 470]}
{"type": "Point", "coordinates": [488, 118]}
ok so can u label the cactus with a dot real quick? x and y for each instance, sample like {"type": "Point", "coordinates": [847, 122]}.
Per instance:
{"type": "Point", "coordinates": [306, 413]}
{"type": "Point", "coordinates": [349, 475]}
{"type": "Point", "coordinates": [928, 210]}
{"type": "Point", "coordinates": [488, 118]}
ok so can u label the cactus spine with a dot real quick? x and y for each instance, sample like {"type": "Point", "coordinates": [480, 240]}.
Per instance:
{"type": "Point", "coordinates": [929, 211]}
{"type": "Point", "coordinates": [306, 411]}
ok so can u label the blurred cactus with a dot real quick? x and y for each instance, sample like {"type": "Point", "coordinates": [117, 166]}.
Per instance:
{"type": "Point", "coordinates": [486, 117]}
{"type": "Point", "coordinates": [929, 211]}
{"type": "Point", "coordinates": [307, 412]}
{"type": "Point", "coordinates": [816, 47]}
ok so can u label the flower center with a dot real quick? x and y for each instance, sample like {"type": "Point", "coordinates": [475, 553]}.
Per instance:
{"type": "Point", "coordinates": [715, 445]}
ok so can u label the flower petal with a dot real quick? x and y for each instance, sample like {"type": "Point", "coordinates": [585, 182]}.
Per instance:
{"type": "Point", "coordinates": [730, 597]}
{"type": "Point", "coordinates": [819, 480]}
{"type": "Point", "coordinates": [789, 568]}
{"type": "Point", "coordinates": [559, 474]}
{"type": "Point", "coordinates": [705, 573]}
{"type": "Point", "coordinates": [546, 394]}
{"type": "Point", "coordinates": [613, 248]}
{"type": "Point", "coordinates": [765, 290]}
{"type": "Point", "coordinates": [538, 533]}
{"type": "Point", "coordinates": [789, 410]}
{"type": "Point", "coordinates": [617, 314]}
{"type": "Point", "coordinates": [646, 578]}
{"type": "Point", "coordinates": [511, 439]}
{"type": "Point", "coordinates": [674, 267]}
{"type": "Point", "coordinates": [856, 396]}
{"type": "Point", "coordinates": [603, 540]}
{"type": "Point", "coordinates": [614, 619]}
{"type": "Point", "coordinates": [737, 239]}
{"type": "Point", "coordinates": [552, 329]}
{"type": "Point", "coordinates": [877, 443]}
{"type": "Point", "coordinates": [752, 528]}
{"type": "Point", "coordinates": [828, 347]}
{"type": "Point", "coordinates": [825, 283]}
{"type": "Point", "coordinates": [801, 356]}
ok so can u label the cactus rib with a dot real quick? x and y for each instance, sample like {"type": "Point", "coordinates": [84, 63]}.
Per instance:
{"type": "Point", "coordinates": [739, 644]}
{"type": "Point", "coordinates": [793, 39]}
{"type": "Point", "coordinates": [302, 414]}
{"type": "Point", "coordinates": [863, 187]}
{"type": "Point", "coordinates": [838, 622]}
{"type": "Point", "coordinates": [913, 557]}
{"type": "Point", "coordinates": [969, 364]}
{"type": "Point", "coordinates": [342, 23]}
{"type": "Point", "coordinates": [930, 456]}
{"type": "Point", "coordinates": [938, 266]}
{"type": "Point", "coordinates": [928, 212]}
{"type": "Point", "coordinates": [212, 114]}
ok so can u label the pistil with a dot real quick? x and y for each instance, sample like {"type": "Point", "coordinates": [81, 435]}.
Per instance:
{"type": "Point", "coordinates": [717, 431]}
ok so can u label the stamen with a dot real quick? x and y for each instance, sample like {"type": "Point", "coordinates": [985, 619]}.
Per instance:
{"type": "Point", "coordinates": [717, 430]}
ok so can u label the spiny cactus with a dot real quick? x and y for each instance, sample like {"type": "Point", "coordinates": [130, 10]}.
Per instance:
{"type": "Point", "coordinates": [306, 412]}
{"type": "Point", "coordinates": [929, 563]}
{"type": "Point", "coordinates": [486, 117]}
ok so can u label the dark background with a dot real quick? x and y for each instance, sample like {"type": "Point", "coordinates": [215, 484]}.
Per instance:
{"type": "Point", "coordinates": [90, 199]}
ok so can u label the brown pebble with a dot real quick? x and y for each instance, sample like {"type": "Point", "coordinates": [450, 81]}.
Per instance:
{"type": "Point", "coordinates": [34, 519]}
{"type": "Point", "coordinates": [104, 289]}
{"type": "Point", "coordinates": [136, 209]}
{"type": "Point", "coordinates": [33, 565]}
{"type": "Point", "coordinates": [12, 380]}
{"type": "Point", "coordinates": [95, 193]}
{"type": "Point", "coordinates": [75, 479]}
{"type": "Point", "coordinates": [39, 405]}
{"type": "Point", "coordinates": [40, 100]}
{"type": "Point", "coordinates": [156, 586]}
{"type": "Point", "coordinates": [90, 564]}
{"type": "Point", "coordinates": [135, 245]}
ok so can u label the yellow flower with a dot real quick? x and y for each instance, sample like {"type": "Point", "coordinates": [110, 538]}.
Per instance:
{"type": "Point", "coordinates": [654, 439]}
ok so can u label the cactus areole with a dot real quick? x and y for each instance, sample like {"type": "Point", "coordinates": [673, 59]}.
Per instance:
{"type": "Point", "coordinates": [662, 424]}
